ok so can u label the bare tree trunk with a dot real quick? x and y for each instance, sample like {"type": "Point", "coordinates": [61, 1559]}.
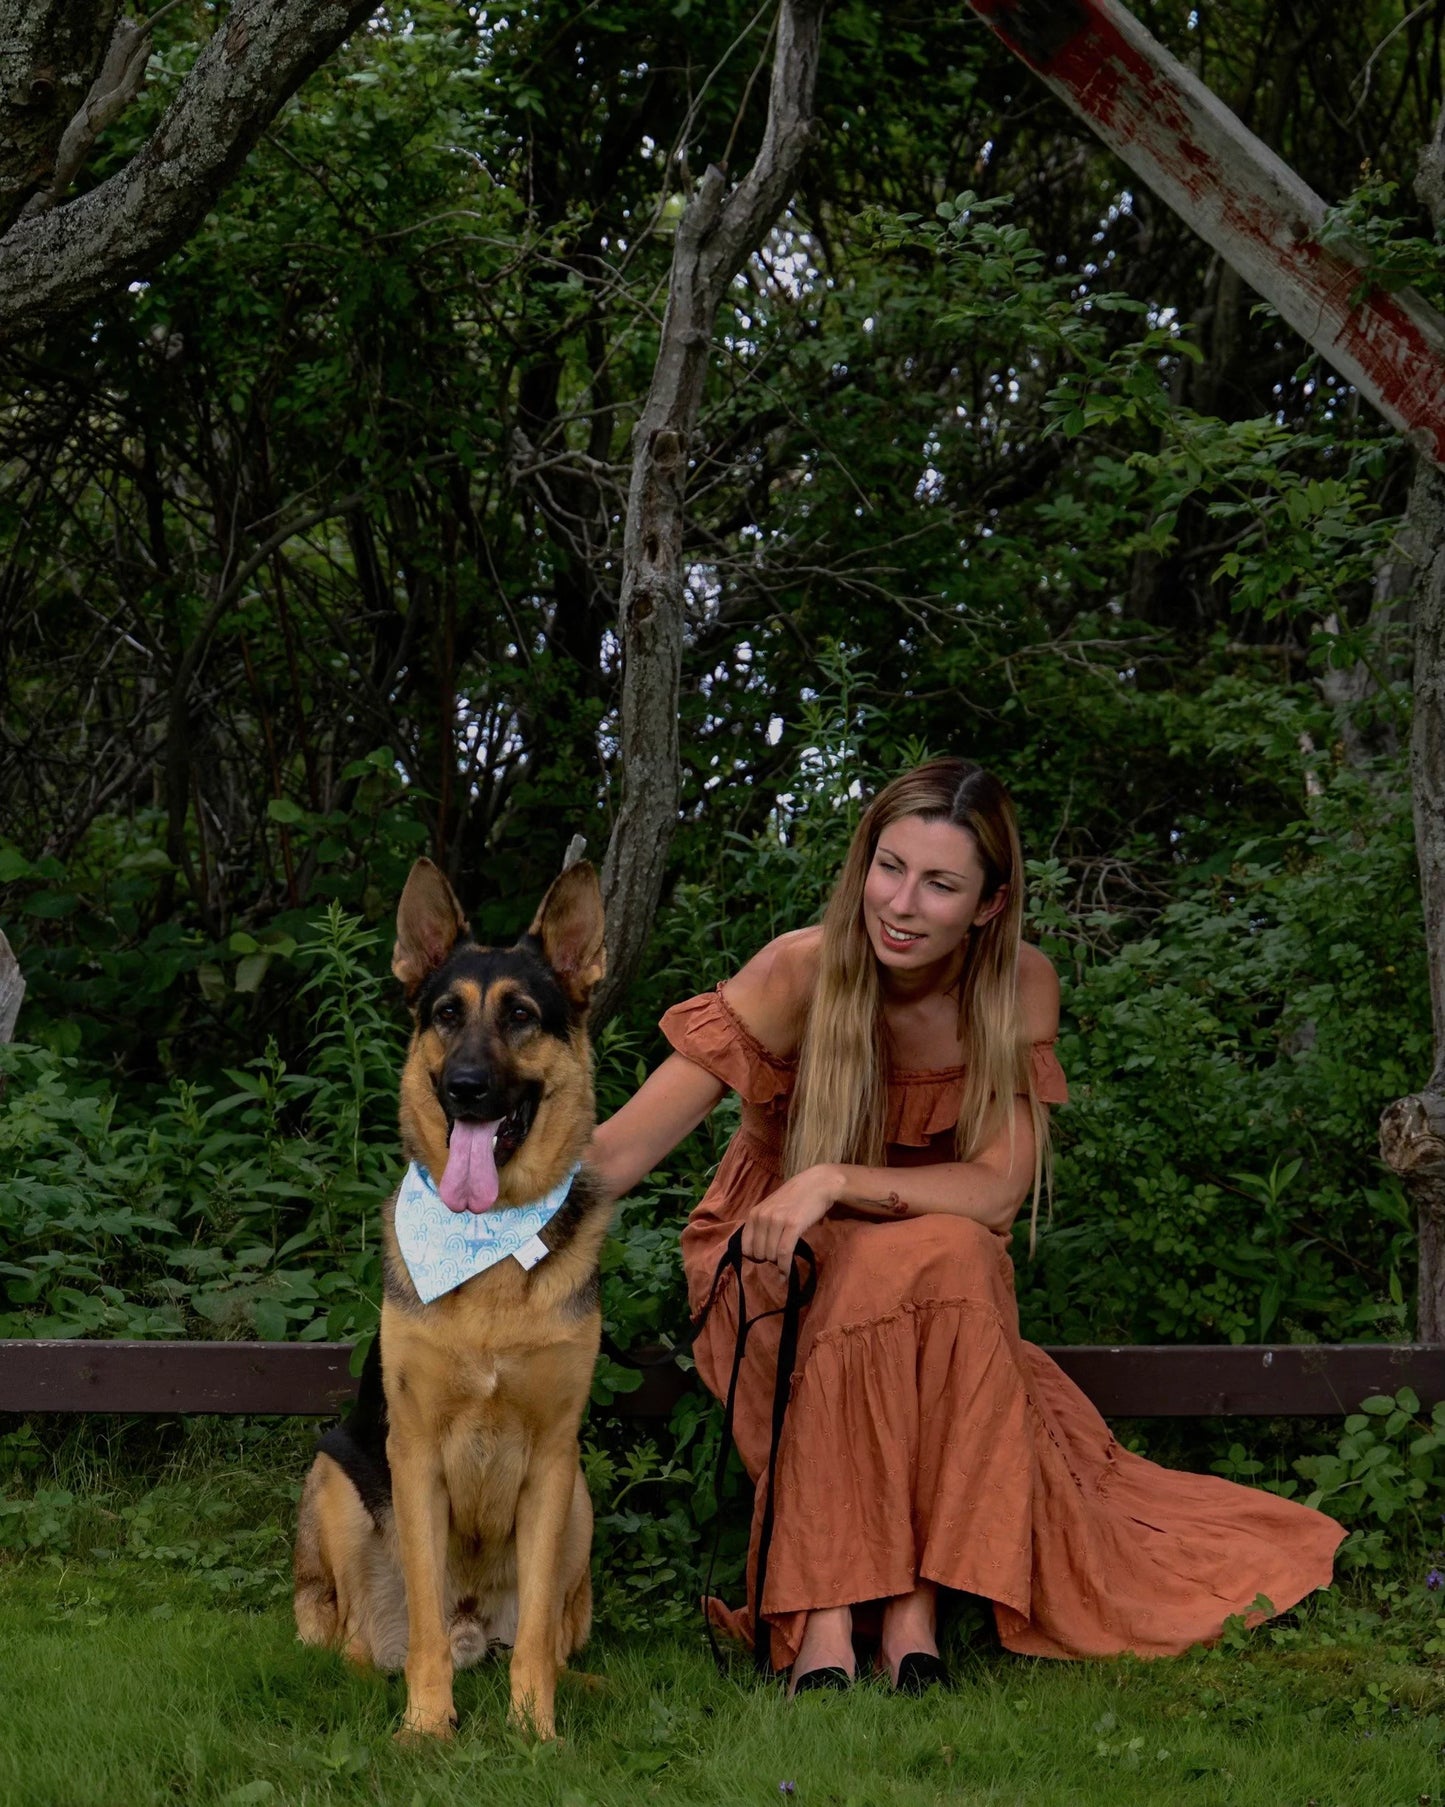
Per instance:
{"type": "Point", "coordinates": [12, 989]}
{"type": "Point", "coordinates": [1412, 1130]}
{"type": "Point", "coordinates": [714, 237]}
{"type": "Point", "coordinates": [50, 53]}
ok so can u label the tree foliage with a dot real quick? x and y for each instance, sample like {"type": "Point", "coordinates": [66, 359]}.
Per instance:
{"type": "Point", "coordinates": [309, 562]}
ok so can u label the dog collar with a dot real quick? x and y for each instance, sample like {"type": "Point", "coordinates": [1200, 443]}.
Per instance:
{"type": "Point", "coordinates": [443, 1249]}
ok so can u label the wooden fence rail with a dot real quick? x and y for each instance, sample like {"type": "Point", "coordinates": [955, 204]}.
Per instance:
{"type": "Point", "coordinates": [314, 1379]}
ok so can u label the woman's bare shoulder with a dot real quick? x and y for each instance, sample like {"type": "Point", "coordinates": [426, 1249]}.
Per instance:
{"type": "Point", "coordinates": [771, 993]}
{"type": "Point", "coordinates": [1038, 994]}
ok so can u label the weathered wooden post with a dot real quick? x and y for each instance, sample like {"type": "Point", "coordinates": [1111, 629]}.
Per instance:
{"type": "Point", "coordinates": [12, 989]}
{"type": "Point", "coordinates": [1180, 138]}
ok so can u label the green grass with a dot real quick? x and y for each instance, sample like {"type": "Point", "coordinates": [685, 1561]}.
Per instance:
{"type": "Point", "coordinates": [147, 1655]}
{"type": "Point", "coordinates": [121, 1687]}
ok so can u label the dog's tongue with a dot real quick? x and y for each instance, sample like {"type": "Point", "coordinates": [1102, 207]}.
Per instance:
{"type": "Point", "coordinates": [470, 1182]}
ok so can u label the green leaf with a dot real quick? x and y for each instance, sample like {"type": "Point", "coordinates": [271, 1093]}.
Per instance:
{"type": "Point", "coordinates": [270, 1320]}
{"type": "Point", "coordinates": [51, 906]}
{"type": "Point", "coordinates": [251, 970]}
{"type": "Point", "coordinates": [212, 982]}
{"type": "Point", "coordinates": [13, 865]}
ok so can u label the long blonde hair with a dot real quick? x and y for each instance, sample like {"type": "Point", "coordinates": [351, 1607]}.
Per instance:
{"type": "Point", "coordinates": [839, 1102]}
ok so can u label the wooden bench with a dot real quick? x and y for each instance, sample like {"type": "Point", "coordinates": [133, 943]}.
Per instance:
{"type": "Point", "coordinates": [314, 1380]}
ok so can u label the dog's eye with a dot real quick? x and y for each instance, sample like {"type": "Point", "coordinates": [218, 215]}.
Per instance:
{"type": "Point", "coordinates": [446, 1014]}
{"type": "Point", "coordinates": [519, 1014]}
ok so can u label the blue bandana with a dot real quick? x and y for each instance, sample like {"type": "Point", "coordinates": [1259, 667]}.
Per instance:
{"type": "Point", "coordinates": [443, 1248]}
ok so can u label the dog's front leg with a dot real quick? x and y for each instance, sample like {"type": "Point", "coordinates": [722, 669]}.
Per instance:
{"type": "Point", "coordinates": [419, 1504]}
{"type": "Point", "coordinates": [542, 1509]}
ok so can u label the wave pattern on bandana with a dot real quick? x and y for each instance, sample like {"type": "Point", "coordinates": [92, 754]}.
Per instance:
{"type": "Point", "coordinates": [446, 1245]}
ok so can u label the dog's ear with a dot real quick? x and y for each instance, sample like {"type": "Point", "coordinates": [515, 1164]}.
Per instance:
{"type": "Point", "coordinates": [429, 921]}
{"type": "Point", "coordinates": [570, 929]}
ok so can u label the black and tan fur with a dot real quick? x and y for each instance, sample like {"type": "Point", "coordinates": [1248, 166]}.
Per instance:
{"type": "Point", "coordinates": [449, 1514]}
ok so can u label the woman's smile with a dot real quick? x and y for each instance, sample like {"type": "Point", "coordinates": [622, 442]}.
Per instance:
{"type": "Point", "coordinates": [898, 937]}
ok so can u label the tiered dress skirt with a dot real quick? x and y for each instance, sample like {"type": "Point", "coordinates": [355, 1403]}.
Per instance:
{"type": "Point", "coordinates": [925, 1440]}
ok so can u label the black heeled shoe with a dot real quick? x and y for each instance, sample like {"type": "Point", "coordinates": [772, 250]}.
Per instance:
{"type": "Point", "coordinates": [834, 1678]}
{"type": "Point", "coordinates": [918, 1672]}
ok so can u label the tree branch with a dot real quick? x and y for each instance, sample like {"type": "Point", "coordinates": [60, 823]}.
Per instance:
{"type": "Point", "coordinates": [50, 51]}
{"type": "Point", "coordinates": [54, 262]}
{"type": "Point", "coordinates": [112, 91]}
{"type": "Point", "coordinates": [178, 740]}
{"type": "Point", "coordinates": [12, 989]}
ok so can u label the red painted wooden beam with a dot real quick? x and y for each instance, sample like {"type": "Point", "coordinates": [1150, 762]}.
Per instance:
{"type": "Point", "coordinates": [1180, 139]}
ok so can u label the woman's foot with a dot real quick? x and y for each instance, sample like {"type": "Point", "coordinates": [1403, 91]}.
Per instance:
{"type": "Point", "coordinates": [918, 1672]}
{"type": "Point", "coordinates": [827, 1644]}
{"type": "Point", "coordinates": [910, 1624]}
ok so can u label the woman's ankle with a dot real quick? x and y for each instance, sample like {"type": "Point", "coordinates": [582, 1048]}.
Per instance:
{"type": "Point", "coordinates": [910, 1623]}
{"type": "Point", "coordinates": [827, 1641]}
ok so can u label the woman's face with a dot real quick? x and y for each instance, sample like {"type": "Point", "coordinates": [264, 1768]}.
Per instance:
{"type": "Point", "coordinates": [923, 893]}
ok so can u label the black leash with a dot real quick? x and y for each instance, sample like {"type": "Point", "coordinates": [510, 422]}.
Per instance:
{"type": "Point", "coordinates": [801, 1287]}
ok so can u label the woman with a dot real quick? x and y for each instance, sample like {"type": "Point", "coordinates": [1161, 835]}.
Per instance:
{"type": "Point", "coordinates": [895, 1067]}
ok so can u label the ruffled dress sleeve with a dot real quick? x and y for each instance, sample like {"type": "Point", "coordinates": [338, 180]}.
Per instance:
{"type": "Point", "coordinates": [923, 1105]}
{"type": "Point", "coordinates": [1050, 1086]}
{"type": "Point", "coordinates": [707, 1031]}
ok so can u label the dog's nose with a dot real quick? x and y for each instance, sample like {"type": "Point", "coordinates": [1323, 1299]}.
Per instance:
{"type": "Point", "coordinates": [466, 1087]}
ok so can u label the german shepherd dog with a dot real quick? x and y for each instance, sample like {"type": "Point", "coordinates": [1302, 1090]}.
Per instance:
{"type": "Point", "coordinates": [449, 1513]}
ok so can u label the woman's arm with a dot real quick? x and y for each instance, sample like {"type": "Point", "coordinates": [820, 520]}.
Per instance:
{"type": "Point", "coordinates": [668, 1105]}
{"type": "Point", "coordinates": [989, 1189]}
{"type": "Point", "coordinates": [768, 996]}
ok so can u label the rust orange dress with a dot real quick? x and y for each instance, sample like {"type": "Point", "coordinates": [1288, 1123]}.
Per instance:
{"type": "Point", "coordinates": [925, 1439]}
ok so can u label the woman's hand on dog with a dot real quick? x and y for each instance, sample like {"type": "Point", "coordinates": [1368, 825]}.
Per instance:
{"type": "Point", "coordinates": [772, 1230]}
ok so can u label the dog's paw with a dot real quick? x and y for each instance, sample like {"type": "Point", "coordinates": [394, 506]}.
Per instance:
{"type": "Point", "coordinates": [584, 1678]}
{"type": "Point", "coordinates": [356, 1653]}
{"type": "Point", "coordinates": [423, 1727]}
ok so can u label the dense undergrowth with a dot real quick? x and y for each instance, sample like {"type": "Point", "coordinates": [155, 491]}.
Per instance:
{"type": "Point", "coordinates": [1217, 1180]}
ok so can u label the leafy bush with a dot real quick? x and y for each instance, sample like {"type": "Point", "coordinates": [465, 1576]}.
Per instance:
{"type": "Point", "coordinates": [1218, 1177]}
{"type": "Point", "coordinates": [251, 1212]}
{"type": "Point", "coordinates": [1390, 1464]}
